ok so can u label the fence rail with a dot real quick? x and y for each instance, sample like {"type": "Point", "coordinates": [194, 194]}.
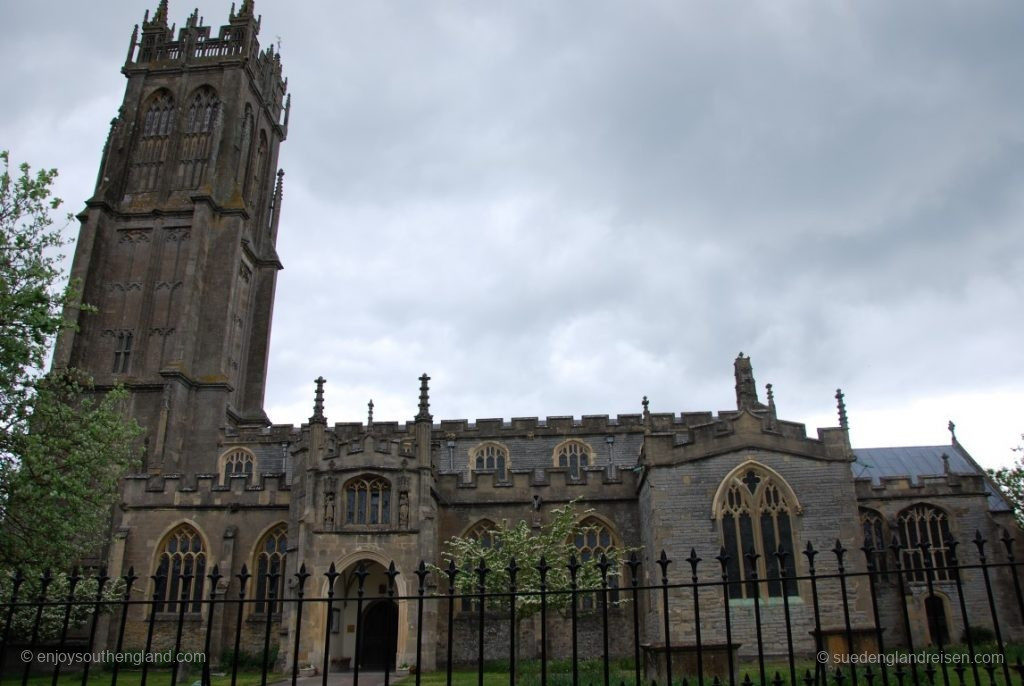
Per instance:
{"type": "Point", "coordinates": [672, 642]}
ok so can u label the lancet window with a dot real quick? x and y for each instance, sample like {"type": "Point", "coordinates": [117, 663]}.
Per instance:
{"type": "Point", "coordinates": [269, 566]}
{"type": "Point", "coordinates": [180, 571]}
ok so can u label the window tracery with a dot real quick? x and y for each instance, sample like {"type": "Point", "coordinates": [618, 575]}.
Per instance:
{"type": "Point", "coordinates": [491, 457]}
{"type": "Point", "coordinates": [182, 554]}
{"type": "Point", "coordinates": [197, 139]}
{"type": "Point", "coordinates": [876, 539]}
{"type": "Point", "coordinates": [237, 462]}
{"type": "Point", "coordinates": [573, 455]}
{"type": "Point", "coordinates": [593, 539]}
{"type": "Point", "coordinates": [152, 144]}
{"type": "Point", "coordinates": [271, 552]}
{"type": "Point", "coordinates": [755, 509]}
{"type": "Point", "coordinates": [368, 500]}
{"type": "Point", "coordinates": [929, 525]}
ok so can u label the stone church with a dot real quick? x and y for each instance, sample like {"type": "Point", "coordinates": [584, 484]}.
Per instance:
{"type": "Point", "coordinates": [176, 253]}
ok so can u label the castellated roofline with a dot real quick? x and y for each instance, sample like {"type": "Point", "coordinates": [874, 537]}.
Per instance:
{"type": "Point", "coordinates": [920, 486]}
{"type": "Point", "coordinates": [745, 430]}
{"type": "Point", "coordinates": [594, 483]}
{"type": "Point", "coordinates": [205, 491]}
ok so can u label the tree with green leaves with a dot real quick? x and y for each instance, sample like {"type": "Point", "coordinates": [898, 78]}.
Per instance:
{"type": "Point", "coordinates": [1011, 482]}
{"type": "Point", "coordinates": [63, 446]}
{"type": "Point", "coordinates": [554, 543]}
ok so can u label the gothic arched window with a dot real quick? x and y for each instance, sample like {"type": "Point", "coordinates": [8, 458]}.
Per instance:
{"type": "Point", "coordinates": [594, 538]}
{"type": "Point", "coordinates": [482, 531]}
{"type": "Point", "coordinates": [368, 500]}
{"type": "Point", "coordinates": [924, 524]}
{"type": "Point", "coordinates": [237, 462]}
{"type": "Point", "coordinates": [574, 455]}
{"type": "Point", "coordinates": [197, 139]}
{"type": "Point", "coordinates": [181, 554]}
{"type": "Point", "coordinates": [491, 457]}
{"type": "Point", "coordinates": [755, 507]}
{"type": "Point", "coordinates": [270, 559]}
{"type": "Point", "coordinates": [152, 143]}
{"type": "Point", "coordinates": [875, 538]}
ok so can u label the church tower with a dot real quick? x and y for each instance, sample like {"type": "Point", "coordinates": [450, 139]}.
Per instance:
{"type": "Point", "coordinates": [176, 259]}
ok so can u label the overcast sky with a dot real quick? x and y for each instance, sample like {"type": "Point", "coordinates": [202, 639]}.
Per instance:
{"type": "Point", "coordinates": [558, 207]}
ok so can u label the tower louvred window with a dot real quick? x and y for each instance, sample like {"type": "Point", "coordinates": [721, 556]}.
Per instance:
{"type": "Point", "coordinates": [197, 139]}
{"type": "Point", "coordinates": [152, 144]}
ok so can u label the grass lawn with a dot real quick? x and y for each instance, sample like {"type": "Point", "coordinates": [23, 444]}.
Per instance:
{"type": "Point", "coordinates": [621, 671]}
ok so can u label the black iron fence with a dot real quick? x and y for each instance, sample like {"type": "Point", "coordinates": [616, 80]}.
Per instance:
{"type": "Point", "coordinates": [847, 617]}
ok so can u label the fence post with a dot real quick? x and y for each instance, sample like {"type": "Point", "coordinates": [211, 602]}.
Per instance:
{"type": "Point", "coordinates": [44, 583]}
{"type": "Point", "coordinates": [574, 568]}
{"type": "Point", "coordinates": [840, 553]}
{"type": "Point", "coordinates": [270, 584]}
{"type": "Point", "coordinates": [820, 672]}
{"type": "Point", "coordinates": [129, 579]}
{"type": "Point", "coordinates": [723, 561]}
{"type": "Point", "coordinates": [603, 566]}
{"type": "Point", "coordinates": [300, 578]}
{"type": "Point", "coordinates": [542, 568]}
{"type": "Point", "coordinates": [694, 561]}
{"type": "Point", "coordinates": [781, 555]}
{"type": "Point", "coordinates": [243, 580]}
{"type": "Point", "coordinates": [752, 558]}
{"type": "Point", "coordinates": [869, 555]}
{"type": "Point", "coordinates": [72, 583]}
{"type": "Point", "coordinates": [101, 581]}
{"type": "Point", "coordinates": [389, 660]}
{"type": "Point", "coordinates": [634, 567]}
{"type": "Point", "coordinates": [664, 562]}
{"type": "Point", "coordinates": [979, 542]}
{"type": "Point", "coordinates": [452, 571]}
{"type": "Point", "coordinates": [513, 569]}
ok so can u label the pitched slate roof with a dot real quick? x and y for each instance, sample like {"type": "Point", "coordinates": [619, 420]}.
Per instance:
{"type": "Point", "coordinates": [922, 460]}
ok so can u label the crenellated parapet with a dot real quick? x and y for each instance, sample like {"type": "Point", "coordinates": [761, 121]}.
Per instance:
{"type": "Point", "coordinates": [205, 491]}
{"type": "Point", "coordinates": [592, 483]}
{"type": "Point", "coordinates": [558, 425]}
{"type": "Point", "coordinates": [694, 436]}
{"type": "Point", "coordinates": [920, 487]}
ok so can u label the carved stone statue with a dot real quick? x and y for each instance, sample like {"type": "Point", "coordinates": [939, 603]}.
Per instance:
{"type": "Point", "coordinates": [403, 509]}
{"type": "Point", "coordinates": [328, 509]}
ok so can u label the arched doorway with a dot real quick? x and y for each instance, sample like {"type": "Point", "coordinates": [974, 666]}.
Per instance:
{"type": "Point", "coordinates": [379, 616]}
{"type": "Point", "coordinates": [380, 635]}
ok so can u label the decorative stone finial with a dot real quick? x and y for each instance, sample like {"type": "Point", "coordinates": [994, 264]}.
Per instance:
{"type": "Point", "coordinates": [160, 16]}
{"type": "Point", "coordinates": [424, 413]}
{"type": "Point", "coordinates": [841, 402]}
{"type": "Point", "coordinates": [647, 408]}
{"type": "Point", "coordinates": [952, 431]}
{"type": "Point", "coordinates": [945, 463]}
{"type": "Point", "coordinates": [746, 389]}
{"type": "Point", "coordinates": [318, 402]}
{"type": "Point", "coordinates": [369, 414]}
{"type": "Point", "coordinates": [771, 401]}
